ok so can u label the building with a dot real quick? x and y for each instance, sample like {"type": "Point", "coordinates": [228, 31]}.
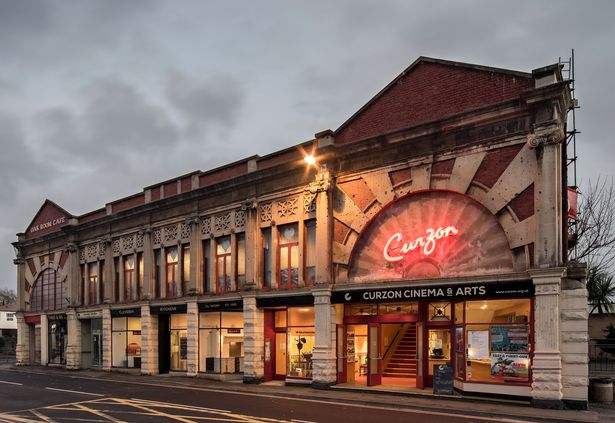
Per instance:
{"type": "Point", "coordinates": [8, 321]}
{"type": "Point", "coordinates": [429, 230]}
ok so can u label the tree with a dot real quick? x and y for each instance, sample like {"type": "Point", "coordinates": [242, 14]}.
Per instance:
{"type": "Point", "coordinates": [7, 296]}
{"type": "Point", "coordinates": [601, 291]}
{"type": "Point", "coordinates": [593, 240]}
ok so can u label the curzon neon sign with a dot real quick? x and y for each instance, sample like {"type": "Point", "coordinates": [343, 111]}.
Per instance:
{"type": "Point", "coordinates": [427, 243]}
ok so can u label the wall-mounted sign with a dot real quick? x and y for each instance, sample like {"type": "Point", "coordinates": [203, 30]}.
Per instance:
{"type": "Point", "coordinates": [49, 218]}
{"type": "Point", "coordinates": [89, 314]}
{"type": "Point", "coordinates": [48, 224]}
{"type": "Point", "coordinates": [169, 309]}
{"type": "Point", "coordinates": [430, 234]}
{"type": "Point", "coordinates": [234, 305]}
{"type": "Point", "coordinates": [56, 317]}
{"type": "Point", "coordinates": [448, 292]}
{"type": "Point", "coordinates": [289, 300]}
{"type": "Point", "coordinates": [126, 312]}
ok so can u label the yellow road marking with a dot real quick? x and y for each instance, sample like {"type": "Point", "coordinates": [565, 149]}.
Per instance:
{"type": "Point", "coordinates": [99, 413]}
{"type": "Point", "coordinates": [42, 416]}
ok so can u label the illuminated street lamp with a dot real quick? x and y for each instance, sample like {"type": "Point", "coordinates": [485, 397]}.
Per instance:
{"type": "Point", "coordinates": [309, 159]}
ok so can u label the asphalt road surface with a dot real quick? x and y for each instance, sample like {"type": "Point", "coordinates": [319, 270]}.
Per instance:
{"type": "Point", "coordinates": [27, 396]}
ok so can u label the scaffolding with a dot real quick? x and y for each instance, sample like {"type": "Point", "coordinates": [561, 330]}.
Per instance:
{"type": "Point", "coordinates": [567, 69]}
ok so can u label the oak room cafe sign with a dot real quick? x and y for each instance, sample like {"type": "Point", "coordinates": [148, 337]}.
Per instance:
{"type": "Point", "coordinates": [428, 235]}
{"type": "Point", "coordinates": [48, 224]}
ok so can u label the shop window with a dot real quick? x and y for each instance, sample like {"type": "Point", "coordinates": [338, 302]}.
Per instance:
{"type": "Point", "coordinates": [310, 252]}
{"type": "Point", "coordinates": [185, 269]}
{"type": "Point", "coordinates": [126, 342]}
{"type": "Point", "coordinates": [48, 292]}
{"type": "Point", "coordinates": [57, 341]}
{"type": "Point", "coordinates": [439, 348]}
{"type": "Point", "coordinates": [206, 266]}
{"type": "Point", "coordinates": [241, 259]}
{"type": "Point", "coordinates": [497, 336]}
{"type": "Point", "coordinates": [172, 264]}
{"type": "Point", "coordinates": [280, 318]}
{"type": "Point", "coordinates": [459, 351]}
{"type": "Point", "coordinates": [288, 248]}
{"type": "Point", "coordinates": [267, 257]}
{"type": "Point", "coordinates": [439, 312]}
{"type": "Point", "coordinates": [179, 342]}
{"type": "Point", "coordinates": [223, 264]}
{"type": "Point", "coordinates": [360, 309]}
{"type": "Point", "coordinates": [130, 282]}
{"type": "Point", "coordinates": [221, 342]}
{"type": "Point", "coordinates": [300, 341]}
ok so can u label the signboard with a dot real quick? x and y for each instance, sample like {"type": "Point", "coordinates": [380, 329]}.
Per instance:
{"type": "Point", "coordinates": [350, 347]}
{"type": "Point", "coordinates": [56, 317]}
{"type": "Point", "coordinates": [509, 338]}
{"type": "Point", "coordinates": [234, 305]}
{"type": "Point", "coordinates": [169, 309]}
{"type": "Point", "coordinates": [446, 292]}
{"type": "Point", "coordinates": [442, 379]}
{"type": "Point", "coordinates": [89, 314]}
{"type": "Point", "coordinates": [126, 312]}
{"type": "Point", "coordinates": [510, 366]}
{"type": "Point", "coordinates": [288, 300]}
{"type": "Point", "coordinates": [49, 218]}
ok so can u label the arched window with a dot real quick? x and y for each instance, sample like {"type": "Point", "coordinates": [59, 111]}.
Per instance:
{"type": "Point", "coordinates": [48, 292]}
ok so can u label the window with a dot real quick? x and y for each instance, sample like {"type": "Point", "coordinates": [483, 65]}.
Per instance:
{"type": "Point", "coordinates": [310, 252]}
{"type": "Point", "coordinates": [48, 292]}
{"type": "Point", "coordinates": [10, 317]}
{"type": "Point", "coordinates": [92, 283]}
{"type": "Point", "coordinates": [179, 342]}
{"type": "Point", "coordinates": [267, 257]}
{"type": "Point", "coordinates": [130, 283]}
{"type": "Point", "coordinates": [139, 275]}
{"type": "Point", "coordinates": [289, 256]}
{"type": "Point", "coordinates": [126, 342]}
{"type": "Point", "coordinates": [172, 269]}
{"type": "Point", "coordinates": [300, 341]}
{"type": "Point", "coordinates": [223, 264]}
{"type": "Point", "coordinates": [241, 259]}
{"type": "Point", "coordinates": [101, 281]}
{"type": "Point", "coordinates": [116, 279]}
{"type": "Point", "coordinates": [206, 266]}
{"type": "Point", "coordinates": [221, 342]}
{"type": "Point", "coordinates": [185, 269]}
{"type": "Point", "coordinates": [157, 273]}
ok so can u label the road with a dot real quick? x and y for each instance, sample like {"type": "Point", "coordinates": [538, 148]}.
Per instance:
{"type": "Point", "coordinates": [30, 396]}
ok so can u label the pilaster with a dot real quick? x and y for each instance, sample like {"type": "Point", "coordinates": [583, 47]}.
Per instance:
{"type": "Point", "coordinates": [547, 364]}
{"type": "Point", "coordinates": [148, 265]}
{"type": "Point", "coordinates": [73, 284]}
{"type": "Point", "coordinates": [73, 345]}
{"type": "Point", "coordinates": [149, 342]}
{"type": "Point", "coordinates": [323, 360]}
{"type": "Point", "coordinates": [106, 338]}
{"type": "Point", "coordinates": [322, 187]}
{"type": "Point", "coordinates": [195, 285]}
{"type": "Point", "coordinates": [253, 250]}
{"type": "Point", "coordinates": [22, 349]}
{"type": "Point", "coordinates": [44, 339]}
{"type": "Point", "coordinates": [193, 338]}
{"type": "Point", "coordinates": [108, 276]}
{"type": "Point", "coordinates": [253, 337]}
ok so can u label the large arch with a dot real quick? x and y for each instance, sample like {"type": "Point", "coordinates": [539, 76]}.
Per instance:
{"type": "Point", "coordinates": [430, 234]}
{"type": "Point", "coordinates": [48, 292]}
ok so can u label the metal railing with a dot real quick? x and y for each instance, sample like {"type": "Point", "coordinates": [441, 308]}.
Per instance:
{"type": "Point", "coordinates": [602, 355]}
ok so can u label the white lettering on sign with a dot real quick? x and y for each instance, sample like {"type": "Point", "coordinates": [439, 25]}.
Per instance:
{"type": "Point", "coordinates": [48, 224]}
{"type": "Point", "coordinates": [428, 243]}
{"type": "Point", "coordinates": [400, 294]}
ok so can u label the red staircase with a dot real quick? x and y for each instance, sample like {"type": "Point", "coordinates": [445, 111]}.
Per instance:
{"type": "Point", "coordinates": [403, 360]}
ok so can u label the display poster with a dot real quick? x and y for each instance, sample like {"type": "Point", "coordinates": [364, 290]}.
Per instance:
{"type": "Point", "coordinates": [459, 339]}
{"type": "Point", "coordinates": [510, 366]}
{"type": "Point", "coordinates": [509, 338]}
{"type": "Point", "coordinates": [350, 347]}
{"type": "Point", "coordinates": [267, 350]}
{"type": "Point", "coordinates": [183, 348]}
{"type": "Point", "coordinates": [478, 345]}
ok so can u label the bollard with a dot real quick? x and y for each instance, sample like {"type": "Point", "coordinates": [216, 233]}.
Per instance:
{"type": "Point", "coordinates": [602, 390]}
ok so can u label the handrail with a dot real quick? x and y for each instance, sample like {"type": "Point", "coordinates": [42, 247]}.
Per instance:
{"type": "Point", "coordinates": [392, 342]}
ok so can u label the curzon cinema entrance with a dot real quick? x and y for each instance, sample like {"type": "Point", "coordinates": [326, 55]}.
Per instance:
{"type": "Point", "coordinates": [482, 331]}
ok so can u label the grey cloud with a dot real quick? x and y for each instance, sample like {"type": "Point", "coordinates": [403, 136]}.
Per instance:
{"type": "Point", "coordinates": [203, 103]}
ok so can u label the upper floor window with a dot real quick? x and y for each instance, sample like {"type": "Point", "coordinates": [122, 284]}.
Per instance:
{"type": "Point", "coordinates": [289, 256]}
{"type": "Point", "coordinates": [172, 271]}
{"type": "Point", "coordinates": [48, 292]}
{"type": "Point", "coordinates": [267, 257]}
{"type": "Point", "coordinates": [130, 280]}
{"type": "Point", "coordinates": [10, 317]}
{"type": "Point", "coordinates": [185, 268]}
{"type": "Point", "coordinates": [310, 252]}
{"type": "Point", "coordinates": [92, 283]}
{"type": "Point", "coordinates": [223, 264]}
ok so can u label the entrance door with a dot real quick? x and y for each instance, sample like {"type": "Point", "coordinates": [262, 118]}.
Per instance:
{"type": "Point", "coordinates": [438, 350]}
{"type": "Point", "coordinates": [280, 355]}
{"type": "Point", "coordinates": [164, 344]}
{"type": "Point", "coordinates": [374, 355]}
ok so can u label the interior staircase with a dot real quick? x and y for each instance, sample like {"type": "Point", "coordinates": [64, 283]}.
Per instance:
{"type": "Point", "coordinates": [403, 358]}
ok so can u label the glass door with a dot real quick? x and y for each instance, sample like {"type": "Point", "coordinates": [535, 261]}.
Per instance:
{"type": "Point", "coordinates": [280, 355]}
{"type": "Point", "coordinates": [438, 350]}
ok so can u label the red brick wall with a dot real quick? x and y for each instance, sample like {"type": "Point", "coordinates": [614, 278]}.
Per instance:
{"type": "Point", "coordinates": [494, 163]}
{"type": "Point", "coordinates": [92, 216]}
{"type": "Point", "coordinates": [359, 192]}
{"type": "Point", "coordinates": [186, 184]}
{"type": "Point", "coordinates": [429, 92]}
{"type": "Point", "coordinates": [523, 204]}
{"type": "Point", "coordinates": [400, 176]}
{"type": "Point", "coordinates": [48, 213]}
{"type": "Point", "coordinates": [170, 189]}
{"type": "Point", "coordinates": [128, 203]}
{"type": "Point", "coordinates": [443, 168]}
{"type": "Point", "coordinates": [223, 174]}
{"type": "Point", "coordinates": [339, 231]}
{"type": "Point", "coordinates": [281, 158]}
{"type": "Point", "coordinates": [155, 194]}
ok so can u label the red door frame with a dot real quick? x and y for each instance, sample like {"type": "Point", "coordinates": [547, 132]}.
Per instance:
{"type": "Point", "coordinates": [269, 342]}
{"type": "Point", "coordinates": [342, 354]}
{"type": "Point", "coordinates": [374, 378]}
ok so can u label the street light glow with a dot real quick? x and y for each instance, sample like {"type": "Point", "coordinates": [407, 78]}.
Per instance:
{"type": "Point", "coordinates": [309, 159]}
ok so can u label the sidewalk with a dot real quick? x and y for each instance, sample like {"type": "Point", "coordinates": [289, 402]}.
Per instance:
{"type": "Point", "coordinates": [473, 406]}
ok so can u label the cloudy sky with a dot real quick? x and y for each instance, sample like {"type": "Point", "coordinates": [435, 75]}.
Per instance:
{"type": "Point", "coordinates": [101, 98]}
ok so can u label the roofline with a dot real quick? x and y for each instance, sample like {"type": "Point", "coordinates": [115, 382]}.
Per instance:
{"type": "Point", "coordinates": [48, 201]}
{"type": "Point", "coordinates": [425, 59]}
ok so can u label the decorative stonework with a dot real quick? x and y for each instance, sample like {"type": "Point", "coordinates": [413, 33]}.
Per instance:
{"type": "Point", "coordinates": [185, 231]}
{"type": "Point", "coordinates": [115, 246]}
{"type": "Point", "coordinates": [222, 222]}
{"type": "Point", "coordinates": [240, 219]}
{"type": "Point", "coordinates": [287, 208]}
{"type": "Point", "coordinates": [102, 249]}
{"type": "Point", "coordinates": [157, 238]}
{"type": "Point", "coordinates": [309, 203]}
{"type": "Point", "coordinates": [91, 252]}
{"type": "Point", "coordinates": [170, 233]}
{"type": "Point", "coordinates": [206, 226]}
{"type": "Point", "coordinates": [128, 242]}
{"type": "Point", "coordinates": [82, 255]}
{"type": "Point", "coordinates": [265, 212]}
{"type": "Point", "coordinates": [140, 240]}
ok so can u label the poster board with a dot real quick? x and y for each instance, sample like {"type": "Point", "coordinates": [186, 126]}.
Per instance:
{"type": "Point", "coordinates": [442, 379]}
{"type": "Point", "coordinates": [478, 345]}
